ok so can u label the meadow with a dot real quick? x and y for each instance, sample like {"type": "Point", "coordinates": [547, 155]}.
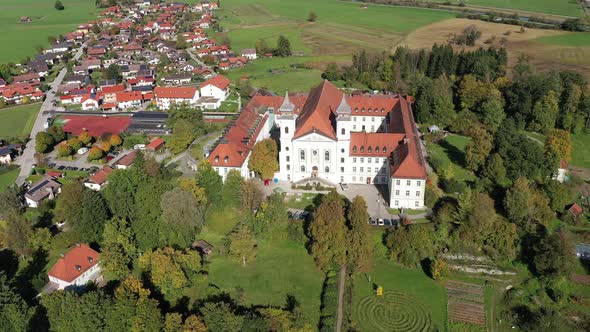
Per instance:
{"type": "Point", "coordinates": [7, 177]}
{"type": "Point", "coordinates": [20, 40]}
{"type": "Point", "coordinates": [581, 147]}
{"type": "Point", "coordinates": [574, 39]}
{"type": "Point", "coordinates": [555, 7]}
{"type": "Point", "coordinates": [450, 153]}
{"type": "Point", "coordinates": [18, 121]}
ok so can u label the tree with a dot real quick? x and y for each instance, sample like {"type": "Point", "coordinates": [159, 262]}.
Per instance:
{"type": "Point", "coordinates": [252, 197]}
{"type": "Point", "coordinates": [115, 140]}
{"type": "Point", "coordinates": [94, 213]}
{"type": "Point", "coordinates": [232, 188]}
{"type": "Point", "coordinates": [133, 309]}
{"type": "Point", "coordinates": [146, 221]}
{"type": "Point", "coordinates": [553, 255]}
{"type": "Point", "coordinates": [221, 317]}
{"type": "Point", "coordinates": [57, 133]}
{"type": "Point", "coordinates": [262, 47]}
{"type": "Point", "coordinates": [242, 245]}
{"type": "Point", "coordinates": [194, 323]}
{"type": "Point", "coordinates": [18, 232]}
{"type": "Point", "coordinates": [411, 244]}
{"type": "Point", "coordinates": [190, 186]}
{"type": "Point", "coordinates": [181, 43]}
{"type": "Point", "coordinates": [118, 249]}
{"type": "Point", "coordinates": [15, 314]}
{"type": "Point", "coordinates": [283, 46]}
{"type": "Point", "coordinates": [328, 232]}
{"type": "Point", "coordinates": [105, 146]}
{"type": "Point", "coordinates": [438, 269]}
{"type": "Point", "coordinates": [494, 169]}
{"type": "Point", "coordinates": [95, 153]}
{"type": "Point", "coordinates": [75, 143]}
{"type": "Point", "coordinates": [69, 202]}
{"type": "Point", "coordinates": [182, 136]}
{"type": "Point", "coordinates": [270, 216]}
{"type": "Point", "coordinates": [312, 17]}
{"type": "Point", "coordinates": [264, 159]}
{"type": "Point", "coordinates": [63, 149]}
{"type": "Point", "coordinates": [360, 247]}
{"type": "Point", "coordinates": [545, 113]}
{"type": "Point", "coordinates": [492, 112]}
{"type": "Point", "coordinates": [171, 270]}
{"type": "Point", "coordinates": [478, 149]}
{"type": "Point", "coordinates": [59, 5]}
{"type": "Point", "coordinates": [559, 144]}
{"type": "Point", "coordinates": [44, 142]}
{"type": "Point", "coordinates": [184, 215]}
{"type": "Point", "coordinates": [525, 206]}
{"type": "Point", "coordinates": [113, 72]}
{"type": "Point", "coordinates": [208, 179]}
{"type": "Point", "coordinates": [332, 72]}
{"type": "Point", "coordinates": [85, 138]}
{"type": "Point", "coordinates": [120, 193]}
{"type": "Point", "coordinates": [173, 322]}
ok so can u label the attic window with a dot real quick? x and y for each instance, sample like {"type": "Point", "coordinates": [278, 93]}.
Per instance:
{"type": "Point", "coordinates": [354, 148]}
{"type": "Point", "coordinates": [216, 159]}
{"type": "Point", "coordinates": [78, 268]}
{"type": "Point", "coordinates": [362, 110]}
{"type": "Point", "coordinates": [384, 149]}
{"type": "Point", "coordinates": [362, 149]}
{"type": "Point", "coordinates": [383, 110]}
{"type": "Point", "coordinates": [225, 159]}
{"type": "Point", "coordinates": [356, 110]}
{"type": "Point", "coordinates": [370, 149]}
{"type": "Point", "coordinates": [369, 110]}
{"type": "Point", "coordinates": [90, 260]}
{"type": "Point", "coordinates": [376, 149]}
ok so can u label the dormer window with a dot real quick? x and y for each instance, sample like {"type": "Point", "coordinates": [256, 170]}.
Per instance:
{"type": "Point", "coordinates": [90, 259]}
{"type": "Point", "coordinates": [356, 110]}
{"type": "Point", "coordinates": [384, 149]}
{"type": "Point", "coordinates": [383, 110]}
{"type": "Point", "coordinates": [354, 149]}
{"type": "Point", "coordinates": [369, 110]}
{"type": "Point", "coordinates": [362, 110]}
{"type": "Point", "coordinates": [225, 159]}
{"type": "Point", "coordinates": [78, 268]}
{"type": "Point", "coordinates": [362, 149]}
{"type": "Point", "coordinates": [370, 149]}
{"type": "Point", "coordinates": [376, 149]}
{"type": "Point", "coordinates": [216, 159]}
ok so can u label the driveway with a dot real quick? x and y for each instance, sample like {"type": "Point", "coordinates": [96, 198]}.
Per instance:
{"type": "Point", "coordinates": [27, 159]}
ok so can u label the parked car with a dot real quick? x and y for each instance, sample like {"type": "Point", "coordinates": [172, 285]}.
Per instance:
{"type": "Point", "coordinates": [52, 165]}
{"type": "Point", "coordinates": [61, 168]}
{"type": "Point", "coordinates": [380, 222]}
{"type": "Point", "coordinates": [387, 222]}
{"type": "Point", "coordinates": [373, 221]}
{"type": "Point", "coordinates": [82, 150]}
{"type": "Point", "coordinates": [139, 147]}
{"type": "Point", "coordinates": [344, 186]}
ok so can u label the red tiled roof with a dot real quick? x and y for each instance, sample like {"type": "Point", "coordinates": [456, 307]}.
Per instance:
{"type": "Point", "coordinates": [237, 143]}
{"type": "Point", "coordinates": [407, 160]}
{"type": "Point", "coordinates": [129, 96]}
{"type": "Point", "coordinates": [96, 125]}
{"type": "Point", "coordinates": [66, 268]}
{"type": "Point", "coordinates": [371, 105]}
{"type": "Point", "coordinates": [127, 159]}
{"type": "Point", "coordinates": [175, 92]}
{"type": "Point", "coordinates": [112, 89]}
{"type": "Point", "coordinates": [563, 164]}
{"type": "Point", "coordinates": [319, 110]}
{"type": "Point", "coordinates": [374, 144]}
{"type": "Point", "coordinates": [218, 81]}
{"type": "Point", "coordinates": [101, 176]}
{"type": "Point", "coordinates": [576, 210]}
{"type": "Point", "coordinates": [155, 144]}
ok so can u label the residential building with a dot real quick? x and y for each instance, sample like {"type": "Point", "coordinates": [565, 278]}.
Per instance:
{"type": "Point", "coordinates": [168, 96]}
{"type": "Point", "coordinates": [249, 53]}
{"type": "Point", "coordinates": [76, 268]}
{"type": "Point", "coordinates": [216, 87]}
{"type": "Point", "coordinates": [99, 179]}
{"type": "Point", "coordinates": [45, 188]}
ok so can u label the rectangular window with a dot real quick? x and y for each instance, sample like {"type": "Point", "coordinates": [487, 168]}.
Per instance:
{"type": "Point", "coordinates": [364, 118]}
{"type": "Point", "coordinates": [373, 119]}
{"type": "Point", "coordinates": [376, 169]}
{"type": "Point", "coordinates": [372, 128]}
{"type": "Point", "coordinates": [418, 183]}
{"type": "Point", "coordinates": [397, 193]}
{"type": "Point", "coordinates": [408, 183]}
{"type": "Point", "coordinates": [417, 204]}
{"type": "Point", "coordinates": [397, 182]}
{"type": "Point", "coordinates": [354, 169]}
{"type": "Point", "coordinates": [341, 169]}
{"type": "Point", "coordinates": [362, 170]}
{"type": "Point", "coordinates": [354, 160]}
{"type": "Point", "coordinates": [407, 193]}
{"type": "Point", "coordinates": [341, 160]}
{"type": "Point", "coordinates": [288, 158]}
{"type": "Point", "coordinates": [369, 160]}
{"type": "Point", "coordinates": [341, 179]}
{"type": "Point", "coordinates": [354, 127]}
{"type": "Point", "coordinates": [417, 194]}
{"type": "Point", "coordinates": [396, 203]}
{"type": "Point", "coordinates": [288, 167]}
{"type": "Point", "coordinates": [362, 160]}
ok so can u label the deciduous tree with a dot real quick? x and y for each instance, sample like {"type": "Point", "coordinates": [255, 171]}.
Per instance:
{"type": "Point", "coordinates": [559, 144]}
{"type": "Point", "coordinates": [264, 159]}
{"type": "Point", "coordinates": [242, 245]}
{"type": "Point", "coordinates": [360, 245]}
{"type": "Point", "coordinates": [208, 179]}
{"type": "Point", "coordinates": [118, 249]}
{"type": "Point", "coordinates": [328, 233]}
{"type": "Point", "coordinates": [184, 215]}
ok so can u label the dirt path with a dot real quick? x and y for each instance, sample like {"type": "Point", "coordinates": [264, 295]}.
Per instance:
{"type": "Point", "coordinates": [340, 297]}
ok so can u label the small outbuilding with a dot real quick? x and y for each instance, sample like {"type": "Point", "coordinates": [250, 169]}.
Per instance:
{"type": "Point", "coordinates": [576, 210]}
{"type": "Point", "coordinates": [583, 251]}
{"type": "Point", "coordinates": [203, 246]}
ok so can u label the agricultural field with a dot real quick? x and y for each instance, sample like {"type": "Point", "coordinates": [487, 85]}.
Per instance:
{"type": "Point", "coordinates": [21, 39]}
{"type": "Point", "coordinates": [18, 121]}
{"type": "Point", "coordinates": [555, 7]}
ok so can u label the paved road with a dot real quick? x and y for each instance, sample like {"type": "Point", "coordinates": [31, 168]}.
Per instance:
{"type": "Point", "coordinates": [198, 60]}
{"type": "Point", "coordinates": [27, 159]}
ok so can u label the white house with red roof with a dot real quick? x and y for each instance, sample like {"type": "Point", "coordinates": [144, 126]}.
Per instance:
{"type": "Point", "coordinates": [340, 138]}
{"type": "Point", "coordinates": [75, 268]}
{"type": "Point", "coordinates": [99, 179]}
{"type": "Point", "coordinates": [89, 102]}
{"type": "Point", "coordinates": [129, 99]}
{"type": "Point", "coordinates": [168, 96]}
{"type": "Point", "coordinates": [216, 87]}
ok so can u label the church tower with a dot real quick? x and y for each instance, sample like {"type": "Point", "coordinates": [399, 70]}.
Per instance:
{"type": "Point", "coordinates": [343, 127]}
{"type": "Point", "coordinates": [286, 121]}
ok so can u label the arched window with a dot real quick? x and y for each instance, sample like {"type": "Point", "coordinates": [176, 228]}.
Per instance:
{"type": "Point", "coordinates": [354, 149]}
{"type": "Point", "coordinates": [369, 110]}
{"type": "Point", "coordinates": [376, 149]}
{"type": "Point", "coordinates": [362, 149]}
{"type": "Point", "coordinates": [226, 159]}
{"type": "Point", "coordinates": [216, 159]}
{"type": "Point", "coordinates": [286, 130]}
{"type": "Point", "coordinates": [286, 148]}
{"type": "Point", "coordinates": [356, 110]}
{"type": "Point", "coordinates": [303, 168]}
{"type": "Point", "coordinates": [384, 149]}
{"type": "Point", "coordinates": [370, 149]}
{"type": "Point", "coordinates": [343, 131]}
{"type": "Point", "coordinates": [362, 110]}
{"type": "Point", "coordinates": [302, 155]}
{"type": "Point", "coordinates": [383, 110]}
{"type": "Point", "coordinates": [327, 156]}
{"type": "Point", "coordinates": [327, 169]}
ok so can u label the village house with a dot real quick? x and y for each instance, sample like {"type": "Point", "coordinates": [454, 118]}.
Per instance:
{"type": "Point", "coordinates": [168, 96]}
{"type": "Point", "coordinates": [249, 53]}
{"type": "Point", "coordinates": [59, 48]}
{"type": "Point", "coordinates": [89, 102]}
{"type": "Point", "coordinates": [130, 99]}
{"type": "Point", "coordinates": [45, 188]}
{"type": "Point", "coordinates": [76, 268]}
{"type": "Point", "coordinates": [99, 179]}
{"type": "Point", "coordinates": [178, 79]}
{"type": "Point", "coordinates": [125, 161]}
{"type": "Point", "coordinates": [216, 87]}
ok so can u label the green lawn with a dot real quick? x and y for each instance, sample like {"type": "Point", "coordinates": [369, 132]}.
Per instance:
{"type": "Point", "coordinates": [574, 39]}
{"type": "Point", "coordinates": [18, 121]}
{"type": "Point", "coordinates": [451, 152]}
{"type": "Point", "coordinates": [581, 153]}
{"type": "Point", "coordinates": [7, 178]}
{"type": "Point", "coordinates": [21, 39]}
{"type": "Point", "coordinates": [282, 268]}
{"type": "Point", "coordinates": [412, 295]}
{"type": "Point", "coordinates": [302, 202]}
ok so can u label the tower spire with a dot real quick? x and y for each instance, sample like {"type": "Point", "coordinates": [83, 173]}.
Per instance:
{"type": "Point", "coordinates": [287, 105]}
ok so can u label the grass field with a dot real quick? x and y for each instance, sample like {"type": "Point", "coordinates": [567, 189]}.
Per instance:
{"type": "Point", "coordinates": [575, 39]}
{"type": "Point", "coordinates": [7, 178]}
{"type": "Point", "coordinates": [263, 282]}
{"type": "Point", "coordinates": [581, 154]}
{"type": "Point", "coordinates": [18, 121]}
{"type": "Point", "coordinates": [450, 152]}
{"type": "Point", "coordinates": [21, 39]}
{"type": "Point", "coordinates": [412, 301]}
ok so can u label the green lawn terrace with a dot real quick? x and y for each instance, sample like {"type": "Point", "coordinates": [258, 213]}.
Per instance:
{"type": "Point", "coordinates": [20, 39]}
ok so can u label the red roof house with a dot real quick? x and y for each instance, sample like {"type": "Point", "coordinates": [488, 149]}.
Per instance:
{"type": "Point", "coordinates": [75, 268]}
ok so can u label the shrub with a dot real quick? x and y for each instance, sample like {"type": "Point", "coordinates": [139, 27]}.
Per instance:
{"type": "Point", "coordinates": [105, 146]}
{"type": "Point", "coordinates": [95, 153]}
{"type": "Point", "coordinates": [115, 140]}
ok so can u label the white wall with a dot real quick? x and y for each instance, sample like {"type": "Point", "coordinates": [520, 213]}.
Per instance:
{"type": "Point", "coordinates": [407, 193]}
